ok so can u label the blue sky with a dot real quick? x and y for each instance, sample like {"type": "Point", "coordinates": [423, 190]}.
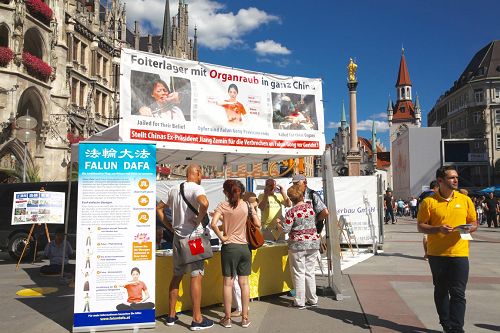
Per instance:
{"type": "Point", "coordinates": [316, 39]}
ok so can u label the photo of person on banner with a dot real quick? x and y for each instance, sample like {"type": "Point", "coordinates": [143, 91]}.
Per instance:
{"type": "Point", "coordinates": [294, 111]}
{"type": "Point", "coordinates": [234, 109]}
{"type": "Point", "coordinates": [155, 95]}
{"type": "Point", "coordinates": [137, 293]}
{"type": "Point", "coordinates": [164, 103]}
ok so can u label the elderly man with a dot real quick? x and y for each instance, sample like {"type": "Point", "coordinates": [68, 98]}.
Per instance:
{"type": "Point", "coordinates": [314, 198]}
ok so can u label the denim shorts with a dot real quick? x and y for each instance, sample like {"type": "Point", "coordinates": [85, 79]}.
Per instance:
{"type": "Point", "coordinates": [236, 259]}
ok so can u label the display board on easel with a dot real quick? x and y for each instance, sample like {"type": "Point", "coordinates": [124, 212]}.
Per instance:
{"type": "Point", "coordinates": [37, 208]}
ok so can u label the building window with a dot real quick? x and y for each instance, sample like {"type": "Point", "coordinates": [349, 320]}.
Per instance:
{"type": "Point", "coordinates": [402, 109]}
{"type": "Point", "coordinates": [497, 94]}
{"type": "Point", "coordinates": [4, 36]}
{"type": "Point", "coordinates": [76, 42]}
{"type": "Point", "coordinates": [249, 167]}
{"type": "Point", "coordinates": [104, 68]}
{"type": "Point", "coordinates": [82, 94]}
{"type": "Point", "coordinates": [104, 109]}
{"type": "Point", "coordinates": [476, 117]}
{"type": "Point", "coordinates": [265, 167]}
{"type": "Point", "coordinates": [234, 168]}
{"type": "Point", "coordinates": [83, 49]}
{"type": "Point", "coordinates": [479, 95]}
{"type": "Point", "coordinates": [74, 87]}
{"type": "Point", "coordinates": [96, 102]}
{"type": "Point", "coordinates": [498, 141]}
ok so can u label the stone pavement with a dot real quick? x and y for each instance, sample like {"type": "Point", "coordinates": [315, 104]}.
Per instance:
{"type": "Point", "coordinates": [390, 292]}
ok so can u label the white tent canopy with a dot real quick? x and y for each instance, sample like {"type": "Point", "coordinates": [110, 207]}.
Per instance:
{"type": "Point", "coordinates": [177, 156]}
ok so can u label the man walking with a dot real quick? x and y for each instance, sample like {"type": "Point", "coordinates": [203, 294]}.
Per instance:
{"type": "Point", "coordinates": [185, 223]}
{"type": "Point", "coordinates": [445, 216]}
{"type": "Point", "coordinates": [491, 210]}
{"type": "Point", "coordinates": [389, 206]}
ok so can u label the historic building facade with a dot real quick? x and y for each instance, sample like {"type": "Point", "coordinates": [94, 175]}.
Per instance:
{"type": "Point", "coordinates": [59, 64]}
{"type": "Point", "coordinates": [372, 152]}
{"type": "Point", "coordinates": [470, 109]}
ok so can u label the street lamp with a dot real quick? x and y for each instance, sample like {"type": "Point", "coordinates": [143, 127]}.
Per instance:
{"type": "Point", "coordinates": [25, 125]}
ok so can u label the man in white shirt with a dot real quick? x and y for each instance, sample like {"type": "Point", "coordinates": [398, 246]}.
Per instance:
{"type": "Point", "coordinates": [184, 223]}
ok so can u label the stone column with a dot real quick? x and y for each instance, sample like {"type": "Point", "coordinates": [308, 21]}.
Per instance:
{"type": "Point", "coordinates": [353, 116]}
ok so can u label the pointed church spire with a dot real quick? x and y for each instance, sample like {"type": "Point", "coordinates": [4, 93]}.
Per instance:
{"type": "Point", "coordinates": [166, 37]}
{"type": "Point", "coordinates": [403, 75]}
{"type": "Point", "coordinates": [343, 120]}
{"type": "Point", "coordinates": [389, 105]}
{"type": "Point", "coordinates": [195, 44]}
{"type": "Point", "coordinates": [374, 138]}
{"type": "Point", "coordinates": [417, 104]}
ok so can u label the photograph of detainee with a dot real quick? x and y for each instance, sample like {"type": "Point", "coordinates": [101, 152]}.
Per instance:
{"type": "Point", "coordinates": [160, 96]}
{"type": "Point", "coordinates": [137, 294]}
{"type": "Point", "coordinates": [294, 111]}
{"type": "Point", "coordinates": [234, 109]}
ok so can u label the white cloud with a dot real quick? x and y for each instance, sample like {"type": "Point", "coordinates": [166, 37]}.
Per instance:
{"type": "Point", "coordinates": [365, 125]}
{"type": "Point", "coordinates": [380, 115]}
{"type": "Point", "coordinates": [270, 47]}
{"type": "Point", "coordinates": [217, 27]}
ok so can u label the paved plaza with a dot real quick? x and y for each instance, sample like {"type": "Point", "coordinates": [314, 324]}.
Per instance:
{"type": "Point", "coordinates": [389, 292]}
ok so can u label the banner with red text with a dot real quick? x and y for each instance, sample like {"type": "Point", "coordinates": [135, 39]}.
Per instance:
{"type": "Point", "coordinates": [187, 105]}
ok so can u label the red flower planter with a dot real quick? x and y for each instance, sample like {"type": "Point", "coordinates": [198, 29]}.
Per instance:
{"type": "Point", "coordinates": [39, 10]}
{"type": "Point", "coordinates": [36, 66]}
{"type": "Point", "coordinates": [6, 56]}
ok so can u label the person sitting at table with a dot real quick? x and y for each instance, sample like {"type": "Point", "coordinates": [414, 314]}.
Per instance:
{"type": "Point", "coordinates": [54, 251]}
{"type": "Point", "coordinates": [236, 257]}
{"type": "Point", "coordinates": [303, 247]}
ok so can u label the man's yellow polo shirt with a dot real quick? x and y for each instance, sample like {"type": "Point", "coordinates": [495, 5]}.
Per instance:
{"type": "Point", "coordinates": [435, 210]}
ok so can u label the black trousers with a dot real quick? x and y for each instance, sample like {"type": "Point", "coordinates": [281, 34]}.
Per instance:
{"type": "Point", "coordinates": [491, 219]}
{"type": "Point", "coordinates": [450, 275]}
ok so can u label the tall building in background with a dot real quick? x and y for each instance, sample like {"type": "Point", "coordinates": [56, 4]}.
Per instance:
{"type": "Point", "coordinates": [470, 109]}
{"type": "Point", "coordinates": [404, 113]}
{"type": "Point", "coordinates": [59, 63]}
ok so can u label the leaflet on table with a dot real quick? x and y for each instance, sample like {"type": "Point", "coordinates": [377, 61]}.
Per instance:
{"type": "Point", "coordinates": [115, 266]}
{"type": "Point", "coordinates": [190, 105]}
{"type": "Point", "coordinates": [38, 207]}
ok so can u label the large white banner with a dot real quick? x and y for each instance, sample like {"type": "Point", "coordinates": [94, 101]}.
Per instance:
{"type": "Point", "coordinates": [187, 105]}
{"type": "Point", "coordinates": [38, 207]}
{"type": "Point", "coordinates": [356, 201]}
{"type": "Point", "coordinates": [116, 234]}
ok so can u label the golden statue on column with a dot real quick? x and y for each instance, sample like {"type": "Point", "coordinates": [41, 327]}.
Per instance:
{"type": "Point", "coordinates": [351, 70]}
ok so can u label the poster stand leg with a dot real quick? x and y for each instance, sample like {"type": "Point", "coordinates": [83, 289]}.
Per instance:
{"type": "Point", "coordinates": [332, 230]}
{"type": "Point", "coordinates": [25, 246]}
{"type": "Point", "coordinates": [36, 243]}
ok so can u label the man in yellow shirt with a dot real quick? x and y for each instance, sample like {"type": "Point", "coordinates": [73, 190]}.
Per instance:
{"type": "Point", "coordinates": [271, 204]}
{"type": "Point", "coordinates": [445, 216]}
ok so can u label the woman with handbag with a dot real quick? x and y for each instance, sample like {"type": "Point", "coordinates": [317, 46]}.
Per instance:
{"type": "Point", "coordinates": [303, 246]}
{"type": "Point", "coordinates": [236, 257]}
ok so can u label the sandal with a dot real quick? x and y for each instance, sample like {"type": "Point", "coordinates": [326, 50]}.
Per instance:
{"type": "Point", "coordinates": [245, 322]}
{"type": "Point", "coordinates": [225, 322]}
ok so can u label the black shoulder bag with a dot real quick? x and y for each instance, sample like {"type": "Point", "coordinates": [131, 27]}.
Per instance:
{"type": "Point", "coordinates": [320, 224]}
{"type": "Point", "coordinates": [205, 220]}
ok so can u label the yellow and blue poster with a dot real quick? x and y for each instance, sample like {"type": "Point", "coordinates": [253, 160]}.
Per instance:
{"type": "Point", "coordinates": [115, 264]}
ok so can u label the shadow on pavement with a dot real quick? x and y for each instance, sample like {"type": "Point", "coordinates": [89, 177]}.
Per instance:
{"type": "Point", "coordinates": [368, 321]}
{"type": "Point", "coordinates": [494, 328]}
{"type": "Point", "coordinates": [389, 254]}
{"type": "Point", "coordinates": [57, 306]}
